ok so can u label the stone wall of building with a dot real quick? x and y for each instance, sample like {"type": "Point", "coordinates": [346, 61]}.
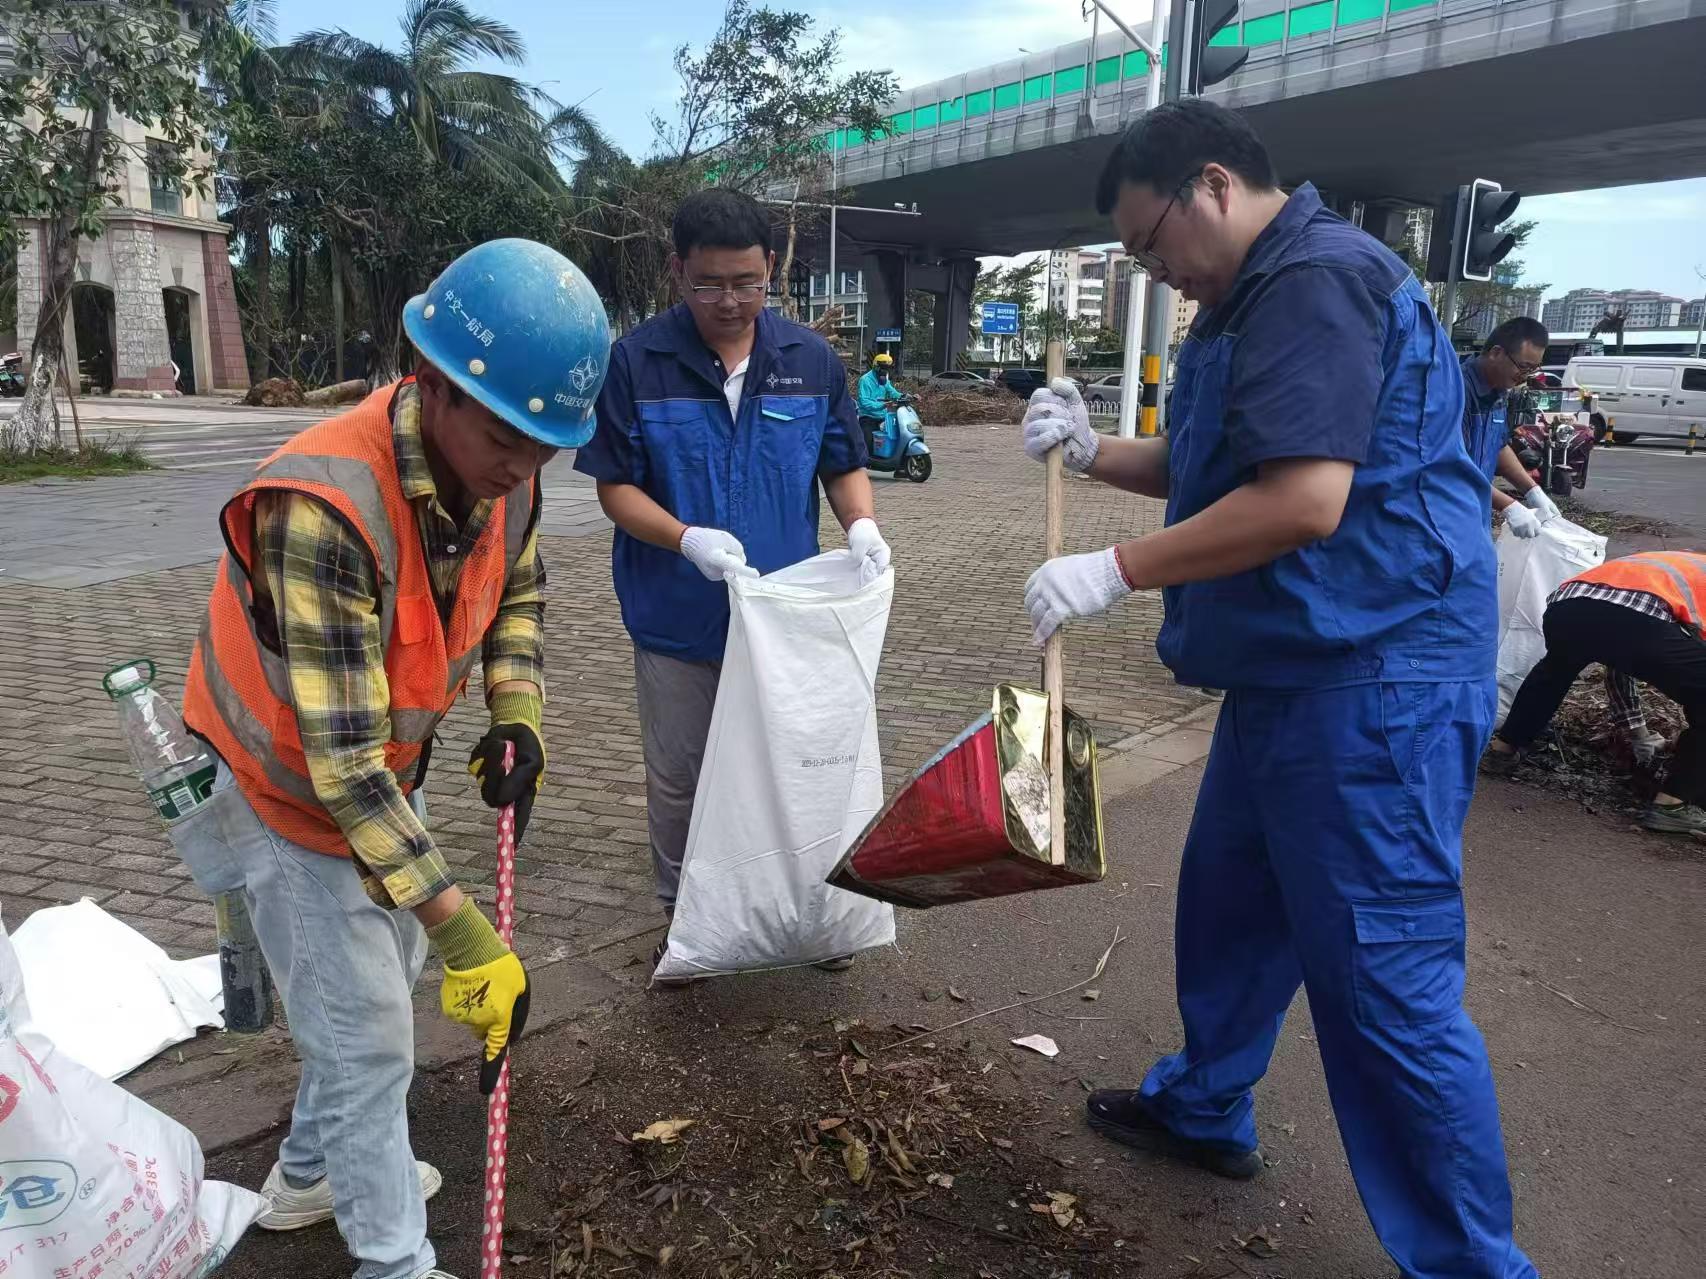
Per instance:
{"type": "Point", "coordinates": [30, 267]}
{"type": "Point", "coordinates": [230, 363]}
{"type": "Point", "coordinates": [142, 361]}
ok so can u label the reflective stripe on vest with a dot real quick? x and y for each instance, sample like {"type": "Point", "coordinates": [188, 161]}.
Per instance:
{"type": "Point", "coordinates": [1676, 577]}
{"type": "Point", "coordinates": [238, 695]}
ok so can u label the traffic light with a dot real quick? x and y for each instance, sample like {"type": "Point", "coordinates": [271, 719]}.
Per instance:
{"type": "Point", "coordinates": [1484, 245]}
{"type": "Point", "coordinates": [1466, 243]}
{"type": "Point", "coordinates": [1211, 63]}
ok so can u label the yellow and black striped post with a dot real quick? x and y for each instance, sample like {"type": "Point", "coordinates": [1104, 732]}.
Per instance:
{"type": "Point", "coordinates": [1151, 394]}
{"type": "Point", "coordinates": [1692, 428]}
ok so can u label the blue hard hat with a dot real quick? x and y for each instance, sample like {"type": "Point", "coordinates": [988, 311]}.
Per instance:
{"type": "Point", "coordinates": [518, 327]}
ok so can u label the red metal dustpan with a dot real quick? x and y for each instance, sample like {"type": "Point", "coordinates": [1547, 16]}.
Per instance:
{"type": "Point", "coordinates": [1010, 805]}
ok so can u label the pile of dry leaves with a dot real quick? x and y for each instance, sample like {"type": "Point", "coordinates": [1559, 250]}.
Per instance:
{"type": "Point", "coordinates": [884, 1163]}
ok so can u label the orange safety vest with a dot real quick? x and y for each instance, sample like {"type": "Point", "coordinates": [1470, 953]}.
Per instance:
{"type": "Point", "coordinates": [238, 695]}
{"type": "Point", "coordinates": [1676, 577]}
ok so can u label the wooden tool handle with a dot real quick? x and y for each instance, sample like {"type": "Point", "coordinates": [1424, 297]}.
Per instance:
{"type": "Point", "coordinates": [1054, 675]}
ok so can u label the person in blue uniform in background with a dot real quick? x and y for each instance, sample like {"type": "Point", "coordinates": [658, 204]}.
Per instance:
{"type": "Point", "coordinates": [1326, 561]}
{"type": "Point", "coordinates": [1511, 356]}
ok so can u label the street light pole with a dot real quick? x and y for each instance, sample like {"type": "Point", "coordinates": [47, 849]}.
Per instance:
{"type": "Point", "coordinates": [1145, 347]}
{"type": "Point", "coordinates": [834, 190]}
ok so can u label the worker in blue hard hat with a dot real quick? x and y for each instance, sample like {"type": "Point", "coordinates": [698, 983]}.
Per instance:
{"type": "Point", "coordinates": [372, 561]}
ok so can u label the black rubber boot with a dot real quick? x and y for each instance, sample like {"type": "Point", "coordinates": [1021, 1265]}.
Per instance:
{"type": "Point", "coordinates": [1121, 1116]}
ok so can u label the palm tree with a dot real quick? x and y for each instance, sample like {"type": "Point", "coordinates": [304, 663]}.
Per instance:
{"type": "Point", "coordinates": [467, 119]}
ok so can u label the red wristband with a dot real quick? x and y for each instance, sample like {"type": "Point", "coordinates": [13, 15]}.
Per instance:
{"type": "Point", "coordinates": [1124, 576]}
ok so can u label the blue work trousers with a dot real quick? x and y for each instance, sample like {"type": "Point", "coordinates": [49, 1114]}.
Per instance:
{"type": "Point", "coordinates": [1326, 851]}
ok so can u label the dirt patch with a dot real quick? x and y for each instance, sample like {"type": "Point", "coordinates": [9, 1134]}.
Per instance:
{"type": "Point", "coordinates": [1615, 523]}
{"type": "Point", "coordinates": [794, 1150]}
{"type": "Point", "coordinates": [1583, 755]}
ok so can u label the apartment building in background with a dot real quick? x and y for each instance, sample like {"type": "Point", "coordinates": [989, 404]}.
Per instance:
{"type": "Point", "coordinates": [1580, 309]}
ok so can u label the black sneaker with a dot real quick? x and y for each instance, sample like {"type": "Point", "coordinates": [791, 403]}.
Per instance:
{"type": "Point", "coordinates": [1121, 1116]}
{"type": "Point", "coordinates": [1499, 763]}
{"type": "Point", "coordinates": [1675, 819]}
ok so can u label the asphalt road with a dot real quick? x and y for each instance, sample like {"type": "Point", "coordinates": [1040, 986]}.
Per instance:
{"type": "Point", "coordinates": [1650, 481]}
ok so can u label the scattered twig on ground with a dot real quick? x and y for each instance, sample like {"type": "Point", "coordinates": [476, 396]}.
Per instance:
{"type": "Point", "coordinates": [1101, 964]}
{"type": "Point", "coordinates": [1586, 1008]}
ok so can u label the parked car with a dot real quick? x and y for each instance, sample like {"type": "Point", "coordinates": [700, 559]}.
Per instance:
{"type": "Point", "coordinates": [961, 380]}
{"type": "Point", "coordinates": [1021, 381]}
{"type": "Point", "coordinates": [1643, 395]}
{"type": "Point", "coordinates": [1103, 395]}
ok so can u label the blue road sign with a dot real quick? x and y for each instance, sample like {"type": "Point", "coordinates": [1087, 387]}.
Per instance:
{"type": "Point", "coordinates": [1000, 318]}
{"type": "Point", "coordinates": [888, 335]}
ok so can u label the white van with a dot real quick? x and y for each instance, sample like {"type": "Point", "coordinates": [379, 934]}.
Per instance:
{"type": "Point", "coordinates": [1643, 394]}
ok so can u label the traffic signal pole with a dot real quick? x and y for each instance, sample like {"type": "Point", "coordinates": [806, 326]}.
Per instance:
{"type": "Point", "coordinates": [1143, 361]}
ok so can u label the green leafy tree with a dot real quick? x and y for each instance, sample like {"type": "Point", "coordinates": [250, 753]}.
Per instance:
{"type": "Point", "coordinates": [77, 67]}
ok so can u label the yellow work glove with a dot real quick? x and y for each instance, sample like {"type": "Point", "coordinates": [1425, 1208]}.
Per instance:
{"type": "Point", "coordinates": [485, 987]}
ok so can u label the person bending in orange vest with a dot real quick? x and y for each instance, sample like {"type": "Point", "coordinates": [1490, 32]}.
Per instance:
{"type": "Point", "coordinates": [371, 561]}
{"type": "Point", "coordinates": [1639, 616]}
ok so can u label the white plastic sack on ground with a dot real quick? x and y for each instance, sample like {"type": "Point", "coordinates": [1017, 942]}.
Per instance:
{"type": "Point", "coordinates": [107, 996]}
{"type": "Point", "coordinates": [94, 1182]}
{"type": "Point", "coordinates": [792, 775]}
{"type": "Point", "coordinates": [1530, 569]}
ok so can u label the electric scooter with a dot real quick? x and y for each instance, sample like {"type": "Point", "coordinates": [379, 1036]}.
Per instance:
{"type": "Point", "coordinates": [896, 442]}
{"type": "Point", "coordinates": [11, 375]}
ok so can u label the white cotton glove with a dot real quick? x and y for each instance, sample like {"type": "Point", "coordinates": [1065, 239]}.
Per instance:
{"type": "Point", "coordinates": [716, 554]}
{"type": "Point", "coordinates": [1537, 501]}
{"type": "Point", "coordinates": [1522, 522]}
{"type": "Point", "coordinates": [1073, 586]}
{"type": "Point", "coordinates": [1056, 415]}
{"type": "Point", "coordinates": [1646, 744]}
{"type": "Point", "coordinates": [868, 547]}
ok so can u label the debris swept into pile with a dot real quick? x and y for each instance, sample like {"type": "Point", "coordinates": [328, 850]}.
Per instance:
{"type": "Point", "coordinates": [1587, 757]}
{"type": "Point", "coordinates": [967, 408]}
{"type": "Point", "coordinates": [832, 1158]}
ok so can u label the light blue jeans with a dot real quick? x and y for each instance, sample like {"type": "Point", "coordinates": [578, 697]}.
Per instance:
{"type": "Point", "coordinates": [344, 968]}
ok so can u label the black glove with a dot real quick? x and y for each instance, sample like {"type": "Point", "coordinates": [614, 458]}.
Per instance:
{"type": "Point", "coordinates": [519, 785]}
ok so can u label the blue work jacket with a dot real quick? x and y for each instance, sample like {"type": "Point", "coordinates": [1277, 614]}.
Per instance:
{"type": "Point", "coordinates": [1485, 428]}
{"type": "Point", "coordinates": [664, 426]}
{"type": "Point", "coordinates": [1325, 347]}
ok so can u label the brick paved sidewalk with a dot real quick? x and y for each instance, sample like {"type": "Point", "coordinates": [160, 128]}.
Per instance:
{"type": "Point", "coordinates": [76, 824]}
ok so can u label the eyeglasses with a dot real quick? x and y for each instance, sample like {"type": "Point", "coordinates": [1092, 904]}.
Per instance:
{"type": "Point", "coordinates": [711, 294]}
{"type": "Point", "coordinates": [1147, 260]}
{"type": "Point", "coordinates": [1521, 366]}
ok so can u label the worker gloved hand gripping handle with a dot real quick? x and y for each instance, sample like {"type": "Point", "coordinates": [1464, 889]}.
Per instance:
{"type": "Point", "coordinates": [1290, 503]}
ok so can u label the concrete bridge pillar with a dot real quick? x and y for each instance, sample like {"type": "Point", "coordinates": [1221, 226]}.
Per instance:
{"type": "Point", "coordinates": [886, 281]}
{"type": "Point", "coordinates": [952, 328]}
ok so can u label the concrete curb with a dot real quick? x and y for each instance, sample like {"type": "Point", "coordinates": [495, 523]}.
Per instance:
{"type": "Point", "coordinates": [1142, 758]}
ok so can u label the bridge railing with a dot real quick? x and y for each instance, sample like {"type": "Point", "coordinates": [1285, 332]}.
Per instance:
{"type": "Point", "coordinates": [997, 98]}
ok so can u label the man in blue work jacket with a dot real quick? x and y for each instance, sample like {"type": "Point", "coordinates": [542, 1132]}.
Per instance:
{"type": "Point", "coordinates": [717, 423]}
{"type": "Point", "coordinates": [1326, 561]}
{"type": "Point", "coordinates": [1511, 356]}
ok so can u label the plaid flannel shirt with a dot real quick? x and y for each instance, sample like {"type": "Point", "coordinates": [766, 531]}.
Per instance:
{"type": "Point", "coordinates": [324, 589]}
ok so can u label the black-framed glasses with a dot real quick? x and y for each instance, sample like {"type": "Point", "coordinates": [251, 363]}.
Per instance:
{"type": "Point", "coordinates": [1146, 259]}
{"type": "Point", "coordinates": [711, 294]}
{"type": "Point", "coordinates": [1521, 366]}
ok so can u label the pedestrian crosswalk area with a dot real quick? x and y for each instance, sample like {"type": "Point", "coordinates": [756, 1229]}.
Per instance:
{"type": "Point", "coordinates": [219, 442]}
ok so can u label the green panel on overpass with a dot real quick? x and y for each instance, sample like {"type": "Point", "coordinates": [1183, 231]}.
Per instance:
{"type": "Point", "coordinates": [1309, 19]}
{"type": "Point", "coordinates": [925, 117]}
{"type": "Point", "coordinates": [1006, 96]}
{"type": "Point", "coordinates": [1070, 80]}
{"type": "Point", "coordinates": [1398, 6]}
{"type": "Point", "coordinates": [1108, 70]}
{"type": "Point", "coordinates": [977, 103]}
{"type": "Point", "coordinates": [1360, 11]}
{"type": "Point", "coordinates": [1036, 88]}
{"type": "Point", "coordinates": [952, 111]}
{"type": "Point", "coordinates": [1268, 30]}
{"type": "Point", "coordinates": [1137, 63]}
{"type": "Point", "coordinates": [1226, 35]}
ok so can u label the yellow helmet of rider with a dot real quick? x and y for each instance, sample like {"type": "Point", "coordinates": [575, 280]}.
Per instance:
{"type": "Point", "coordinates": [883, 358]}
